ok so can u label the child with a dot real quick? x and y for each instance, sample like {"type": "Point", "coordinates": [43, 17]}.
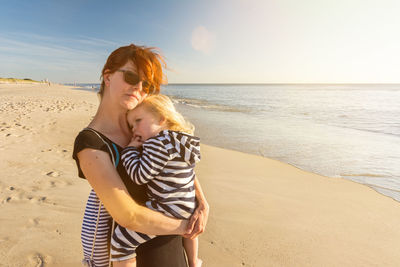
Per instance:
{"type": "Point", "coordinates": [165, 163]}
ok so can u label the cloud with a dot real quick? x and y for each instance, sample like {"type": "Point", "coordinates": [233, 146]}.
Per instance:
{"type": "Point", "coordinates": [61, 59]}
{"type": "Point", "coordinates": [43, 50]}
{"type": "Point", "coordinates": [202, 40]}
{"type": "Point", "coordinates": [54, 47]}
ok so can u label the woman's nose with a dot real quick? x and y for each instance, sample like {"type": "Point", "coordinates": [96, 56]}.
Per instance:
{"type": "Point", "coordinates": [138, 85]}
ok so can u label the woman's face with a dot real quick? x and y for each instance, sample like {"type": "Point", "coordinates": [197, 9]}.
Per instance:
{"type": "Point", "coordinates": [123, 93]}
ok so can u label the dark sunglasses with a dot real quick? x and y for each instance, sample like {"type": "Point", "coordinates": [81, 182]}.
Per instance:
{"type": "Point", "coordinates": [133, 79]}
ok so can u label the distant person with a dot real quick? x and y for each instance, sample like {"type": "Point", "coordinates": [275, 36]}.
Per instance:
{"type": "Point", "coordinates": [162, 154]}
{"type": "Point", "coordinates": [130, 74]}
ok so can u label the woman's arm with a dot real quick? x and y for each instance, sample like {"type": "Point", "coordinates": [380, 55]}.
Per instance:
{"type": "Point", "coordinates": [198, 221]}
{"type": "Point", "coordinates": [104, 179]}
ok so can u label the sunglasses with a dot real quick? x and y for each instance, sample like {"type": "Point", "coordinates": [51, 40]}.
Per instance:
{"type": "Point", "coordinates": [133, 79]}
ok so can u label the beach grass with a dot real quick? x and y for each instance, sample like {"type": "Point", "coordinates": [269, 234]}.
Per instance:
{"type": "Point", "coordinates": [16, 80]}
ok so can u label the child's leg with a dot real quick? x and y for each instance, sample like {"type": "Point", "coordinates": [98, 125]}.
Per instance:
{"type": "Point", "coordinates": [192, 248]}
{"type": "Point", "coordinates": [126, 263]}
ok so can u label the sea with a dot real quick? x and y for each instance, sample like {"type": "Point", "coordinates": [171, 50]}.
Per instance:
{"type": "Point", "coordinates": [349, 131]}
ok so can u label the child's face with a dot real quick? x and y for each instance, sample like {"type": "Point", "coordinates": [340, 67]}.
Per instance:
{"type": "Point", "coordinates": [144, 124]}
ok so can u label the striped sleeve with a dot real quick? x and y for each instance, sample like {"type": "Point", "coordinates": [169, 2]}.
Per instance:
{"type": "Point", "coordinates": [143, 166]}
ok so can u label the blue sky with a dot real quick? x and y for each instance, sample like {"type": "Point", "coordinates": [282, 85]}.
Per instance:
{"type": "Point", "coordinates": [220, 41]}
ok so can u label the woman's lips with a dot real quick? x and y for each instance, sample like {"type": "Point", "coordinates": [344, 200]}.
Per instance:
{"type": "Point", "coordinates": [133, 96]}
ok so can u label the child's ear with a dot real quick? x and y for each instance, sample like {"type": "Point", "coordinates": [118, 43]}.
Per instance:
{"type": "Point", "coordinates": [162, 121]}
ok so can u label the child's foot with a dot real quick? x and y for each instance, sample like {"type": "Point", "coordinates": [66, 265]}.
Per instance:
{"type": "Point", "coordinates": [197, 263]}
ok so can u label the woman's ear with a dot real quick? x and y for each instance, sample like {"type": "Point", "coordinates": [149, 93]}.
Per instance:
{"type": "Point", "coordinates": [106, 77]}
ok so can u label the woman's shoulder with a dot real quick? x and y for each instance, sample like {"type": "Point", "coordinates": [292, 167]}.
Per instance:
{"type": "Point", "coordinates": [89, 138]}
{"type": "Point", "coordinates": [92, 139]}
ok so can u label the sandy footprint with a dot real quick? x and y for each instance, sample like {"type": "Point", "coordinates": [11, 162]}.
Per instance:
{"type": "Point", "coordinates": [7, 199]}
{"type": "Point", "coordinates": [53, 174]}
{"type": "Point", "coordinates": [57, 183]}
{"type": "Point", "coordinates": [34, 221]}
{"type": "Point", "coordinates": [35, 188]}
{"type": "Point", "coordinates": [10, 194]}
{"type": "Point", "coordinates": [36, 199]}
{"type": "Point", "coordinates": [63, 153]}
{"type": "Point", "coordinates": [18, 195]}
{"type": "Point", "coordinates": [53, 180]}
{"type": "Point", "coordinates": [37, 259]}
{"type": "Point", "coordinates": [4, 239]}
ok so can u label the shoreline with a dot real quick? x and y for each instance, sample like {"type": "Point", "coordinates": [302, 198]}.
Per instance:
{"type": "Point", "coordinates": [252, 147]}
{"type": "Point", "coordinates": [370, 186]}
{"type": "Point", "coordinates": [263, 212]}
{"type": "Point", "coordinates": [188, 111]}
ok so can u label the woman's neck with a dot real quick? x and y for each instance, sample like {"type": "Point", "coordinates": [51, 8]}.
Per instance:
{"type": "Point", "coordinates": [111, 121]}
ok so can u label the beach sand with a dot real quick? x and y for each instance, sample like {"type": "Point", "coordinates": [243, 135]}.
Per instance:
{"type": "Point", "coordinates": [263, 212]}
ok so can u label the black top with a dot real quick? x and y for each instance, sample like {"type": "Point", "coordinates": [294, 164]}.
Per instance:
{"type": "Point", "coordinates": [160, 251]}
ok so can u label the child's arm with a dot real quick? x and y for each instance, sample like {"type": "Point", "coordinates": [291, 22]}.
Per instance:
{"type": "Point", "coordinates": [143, 166]}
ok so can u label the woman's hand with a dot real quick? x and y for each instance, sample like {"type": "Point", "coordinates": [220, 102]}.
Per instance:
{"type": "Point", "coordinates": [198, 221]}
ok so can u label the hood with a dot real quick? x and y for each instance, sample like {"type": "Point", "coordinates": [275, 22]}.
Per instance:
{"type": "Point", "coordinates": [186, 145]}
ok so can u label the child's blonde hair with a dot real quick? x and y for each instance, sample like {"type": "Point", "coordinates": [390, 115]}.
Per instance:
{"type": "Point", "coordinates": [162, 106]}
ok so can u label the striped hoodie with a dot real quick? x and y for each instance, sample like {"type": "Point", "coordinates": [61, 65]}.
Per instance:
{"type": "Point", "coordinates": [166, 164]}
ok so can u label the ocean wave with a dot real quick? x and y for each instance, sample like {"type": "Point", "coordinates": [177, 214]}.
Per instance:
{"type": "Point", "coordinates": [363, 175]}
{"type": "Point", "coordinates": [377, 131]}
{"type": "Point", "coordinates": [383, 187]}
{"type": "Point", "coordinates": [200, 103]}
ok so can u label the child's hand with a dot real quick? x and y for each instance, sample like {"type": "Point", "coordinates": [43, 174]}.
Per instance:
{"type": "Point", "coordinates": [136, 141]}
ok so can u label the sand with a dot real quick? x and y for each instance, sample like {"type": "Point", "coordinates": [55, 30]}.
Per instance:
{"type": "Point", "coordinates": [263, 212]}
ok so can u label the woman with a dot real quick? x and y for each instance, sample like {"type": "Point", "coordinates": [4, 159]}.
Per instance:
{"type": "Point", "coordinates": [129, 75]}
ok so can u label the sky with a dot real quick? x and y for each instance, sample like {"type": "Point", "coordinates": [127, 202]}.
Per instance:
{"type": "Point", "coordinates": [205, 41]}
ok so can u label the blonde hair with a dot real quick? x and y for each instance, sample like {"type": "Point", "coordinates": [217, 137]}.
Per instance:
{"type": "Point", "coordinates": [162, 106]}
